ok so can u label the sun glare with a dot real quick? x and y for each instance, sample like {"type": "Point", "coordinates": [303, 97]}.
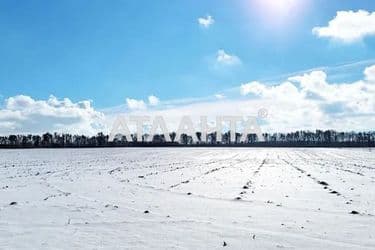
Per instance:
{"type": "Point", "coordinates": [277, 12]}
{"type": "Point", "coordinates": [279, 6]}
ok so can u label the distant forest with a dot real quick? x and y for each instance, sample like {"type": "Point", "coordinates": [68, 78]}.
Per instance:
{"type": "Point", "coordinates": [319, 138]}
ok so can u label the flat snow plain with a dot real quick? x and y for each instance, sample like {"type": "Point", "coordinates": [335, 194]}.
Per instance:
{"type": "Point", "coordinates": [187, 198]}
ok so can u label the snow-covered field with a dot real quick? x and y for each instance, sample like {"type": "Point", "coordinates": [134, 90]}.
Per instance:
{"type": "Point", "coordinates": [187, 198]}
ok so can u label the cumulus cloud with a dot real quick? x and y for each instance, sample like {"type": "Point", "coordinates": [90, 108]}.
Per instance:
{"type": "Point", "coordinates": [153, 100]}
{"type": "Point", "coordinates": [23, 114]}
{"type": "Point", "coordinates": [370, 73]}
{"type": "Point", "coordinates": [304, 101]}
{"type": "Point", "coordinates": [252, 87]}
{"type": "Point", "coordinates": [206, 22]}
{"type": "Point", "coordinates": [134, 104]}
{"type": "Point", "coordinates": [338, 106]}
{"type": "Point", "coordinates": [348, 26]}
{"type": "Point", "coordinates": [223, 58]}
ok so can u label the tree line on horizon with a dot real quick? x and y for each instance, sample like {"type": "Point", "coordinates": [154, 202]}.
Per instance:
{"type": "Point", "coordinates": [298, 138]}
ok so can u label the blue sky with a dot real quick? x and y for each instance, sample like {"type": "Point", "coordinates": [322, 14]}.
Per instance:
{"type": "Point", "coordinates": [88, 49]}
{"type": "Point", "coordinates": [107, 51]}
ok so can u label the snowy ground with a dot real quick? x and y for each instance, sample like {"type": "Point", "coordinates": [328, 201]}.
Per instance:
{"type": "Point", "coordinates": [196, 198]}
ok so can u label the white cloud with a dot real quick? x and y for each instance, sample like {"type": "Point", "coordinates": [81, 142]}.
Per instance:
{"type": "Point", "coordinates": [220, 96]}
{"type": "Point", "coordinates": [312, 89]}
{"type": "Point", "coordinates": [134, 104]}
{"type": "Point", "coordinates": [206, 22]}
{"type": "Point", "coordinates": [153, 100]}
{"type": "Point", "coordinates": [309, 101]}
{"type": "Point", "coordinates": [224, 58]}
{"type": "Point", "coordinates": [23, 114]}
{"type": "Point", "coordinates": [252, 88]}
{"type": "Point", "coordinates": [370, 73]}
{"type": "Point", "coordinates": [304, 101]}
{"type": "Point", "coordinates": [348, 26]}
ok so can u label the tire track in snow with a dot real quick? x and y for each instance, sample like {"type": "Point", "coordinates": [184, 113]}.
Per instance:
{"type": "Point", "coordinates": [316, 180]}
{"type": "Point", "coordinates": [213, 170]}
{"type": "Point", "coordinates": [250, 182]}
{"type": "Point", "coordinates": [185, 165]}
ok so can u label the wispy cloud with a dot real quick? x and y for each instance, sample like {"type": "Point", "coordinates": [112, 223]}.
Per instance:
{"type": "Point", "coordinates": [219, 96]}
{"type": "Point", "coordinates": [333, 70]}
{"type": "Point", "coordinates": [348, 26]}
